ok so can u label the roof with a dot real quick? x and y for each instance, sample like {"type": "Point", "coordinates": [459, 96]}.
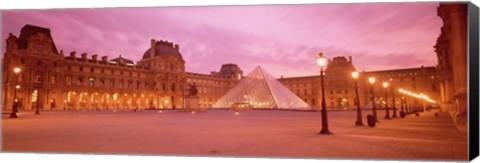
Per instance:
{"type": "Point", "coordinates": [163, 48]}
{"type": "Point", "coordinates": [122, 60]}
{"type": "Point", "coordinates": [30, 30]}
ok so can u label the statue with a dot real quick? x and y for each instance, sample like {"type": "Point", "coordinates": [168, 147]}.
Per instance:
{"type": "Point", "coordinates": [192, 89]}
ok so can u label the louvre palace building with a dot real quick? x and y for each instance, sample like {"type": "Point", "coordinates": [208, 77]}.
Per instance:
{"type": "Point", "coordinates": [51, 79]}
{"type": "Point", "coordinates": [54, 80]}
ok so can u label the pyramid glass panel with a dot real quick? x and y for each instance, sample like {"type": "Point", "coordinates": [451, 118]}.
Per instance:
{"type": "Point", "coordinates": [261, 90]}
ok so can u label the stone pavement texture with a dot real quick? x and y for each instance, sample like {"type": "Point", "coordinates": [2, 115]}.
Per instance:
{"type": "Point", "coordinates": [221, 133]}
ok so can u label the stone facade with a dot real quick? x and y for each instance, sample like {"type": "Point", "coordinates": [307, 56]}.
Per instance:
{"type": "Point", "coordinates": [451, 49]}
{"type": "Point", "coordinates": [339, 84]}
{"type": "Point", "coordinates": [51, 80]}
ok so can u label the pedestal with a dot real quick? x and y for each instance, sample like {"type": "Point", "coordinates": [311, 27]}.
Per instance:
{"type": "Point", "coordinates": [192, 102]}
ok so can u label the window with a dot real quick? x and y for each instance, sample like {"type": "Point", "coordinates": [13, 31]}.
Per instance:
{"type": "Point", "coordinates": [92, 82]}
{"type": "Point", "coordinates": [80, 81]}
{"type": "Point", "coordinates": [163, 86]}
{"type": "Point", "coordinates": [103, 71]}
{"type": "Point", "coordinates": [37, 78]}
{"type": "Point", "coordinates": [81, 68]}
{"type": "Point", "coordinates": [53, 79]}
{"type": "Point", "coordinates": [69, 68]}
{"type": "Point", "coordinates": [92, 70]}
{"type": "Point", "coordinates": [173, 87]}
{"type": "Point", "coordinates": [55, 64]}
{"type": "Point", "coordinates": [68, 80]}
{"type": "Point", "coordinates": [34, 95]}
{"type": "Point", "coordinates": [39, 63]}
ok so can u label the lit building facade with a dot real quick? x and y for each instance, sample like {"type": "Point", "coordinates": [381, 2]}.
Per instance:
{"type": "Point", "coordinates": [51, 80]}
{"type": "Point", "coordinates": [340, 86]}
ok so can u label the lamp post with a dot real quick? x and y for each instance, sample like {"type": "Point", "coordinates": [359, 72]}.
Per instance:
{"type": "Point", "coordinates": [37, 112]}
{"type": "Point", "coordinates": [374, 109]}
{"type": "Point", "coordinates": [387, 111]}
{"type": "Point", "coordinates": [14, 106]}
{"type": "Point", "coordinates": [359, 112]}
{"type": "Point", "coordinates": [322, 61]}
{"type": "Point", "coordinates": [393, 103]}
{"type": "Point", "coordinates": [402, 103]}
{"type": "Point", "coordinates": [16, 71]}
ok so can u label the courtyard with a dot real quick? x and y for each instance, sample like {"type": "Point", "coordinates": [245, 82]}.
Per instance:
{"type": "Point", "coordinates": [222, 133]}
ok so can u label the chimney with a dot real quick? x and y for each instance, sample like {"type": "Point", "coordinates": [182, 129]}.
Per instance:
{"type": "Point", "coordinates": [177, 47]}
{"type": "Point", "coordinates": [61, 53]}
{"type": "Point", "coordinates": [94, 57]}
{"type": "Point", "coordinates": [84, 56]}
{"type": "Point", "coordinates": [73, 55]}
{"type": "Point", "coordinates": [350, 59]}
{"type": "Point", "coordinates": [105, 59]}
{"type": "Point", "coordinates": [153, 47]}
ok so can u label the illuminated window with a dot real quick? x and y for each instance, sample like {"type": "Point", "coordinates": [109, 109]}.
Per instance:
{"type": "Point", "coordinates": [34, 96]}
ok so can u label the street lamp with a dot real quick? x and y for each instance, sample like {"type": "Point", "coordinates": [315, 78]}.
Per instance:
{"type": "Point", "coordinates": [374, 109]}
{"type": "Point", "coordinates": [13, 114]}
{"type": "Point", "coordinates": [14, 106]}
{"type": "Point", "coordinates": [359, 112]}
{"type": "Point", "coordinates": [322, 62]}
{"type": "Point", "coordinates": [387, 112]}
{"type": "Point", "coordinates": [393, 101]}
{"type": "Point", "coordinates": [402, 103]}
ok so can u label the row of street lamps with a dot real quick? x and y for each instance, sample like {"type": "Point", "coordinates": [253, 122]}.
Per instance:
{"type": "Point", "coordinates": [405, 108]}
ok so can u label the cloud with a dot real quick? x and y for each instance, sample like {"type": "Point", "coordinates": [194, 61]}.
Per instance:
{"type": "Point", "coordinates": [284, 38]}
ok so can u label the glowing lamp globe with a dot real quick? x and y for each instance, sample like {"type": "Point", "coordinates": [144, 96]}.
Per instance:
{"type": "Point", "coordinates": [355, 75]}
{"type": "Point", "coordinates": [371, 80]}
{"type": "Point", "coordinates": [321, 60]}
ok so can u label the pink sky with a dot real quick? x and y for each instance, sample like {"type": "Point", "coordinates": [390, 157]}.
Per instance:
{"type": "Point", "coordinates": [283, 39]}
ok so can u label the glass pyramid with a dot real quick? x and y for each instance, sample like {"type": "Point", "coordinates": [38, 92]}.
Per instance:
{"type": "Point", "coordinates": [261, 90]}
